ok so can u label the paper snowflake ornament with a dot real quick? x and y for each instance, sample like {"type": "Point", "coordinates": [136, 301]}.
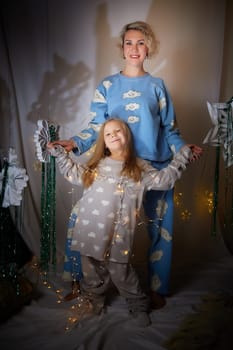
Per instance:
{"type": "Point", "coordinates": [16, 181]}
{"type": "Point", "coordinates": [46, 132]}
{"type": "Point", "coordinates": [222, 131]}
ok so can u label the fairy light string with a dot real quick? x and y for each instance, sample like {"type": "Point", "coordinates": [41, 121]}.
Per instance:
{"type": "Point", "coordinates": [81, 306]}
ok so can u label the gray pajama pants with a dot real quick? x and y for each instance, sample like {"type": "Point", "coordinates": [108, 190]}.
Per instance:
{"type": "Point", "coordinates": [98, 276]}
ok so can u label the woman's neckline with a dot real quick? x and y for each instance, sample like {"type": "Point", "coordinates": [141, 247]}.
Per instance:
{"type": "Point", "coordinates": [133, 77]}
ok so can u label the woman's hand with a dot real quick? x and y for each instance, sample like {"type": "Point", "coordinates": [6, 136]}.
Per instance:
{"type": "Point", "coordinates": [68, 145]}
{"type": "Point", "coordinates": [49, 145]}
{"type": "Point", "coordinates": [196, 152]}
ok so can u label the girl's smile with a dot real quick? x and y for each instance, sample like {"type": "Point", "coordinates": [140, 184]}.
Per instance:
{"type": "Point", "coordinates": [115, 139]}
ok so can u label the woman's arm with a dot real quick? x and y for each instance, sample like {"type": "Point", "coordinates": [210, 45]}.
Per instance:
{"type": "Point", "coordinates": [85, 139]}
{"type": "Point", "coordinates": [169, 123]}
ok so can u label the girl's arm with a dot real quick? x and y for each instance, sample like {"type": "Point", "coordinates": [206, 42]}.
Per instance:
{"type": "Point", "coordinates": [71, 170]}
{"type": "Point", "coordinates": [165, 178]}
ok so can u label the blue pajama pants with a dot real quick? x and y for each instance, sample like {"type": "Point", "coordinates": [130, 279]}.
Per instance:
{"type": "Point", "coordinates": [72, 262]}
{"type": "Point", "coordinates": [158, 208]}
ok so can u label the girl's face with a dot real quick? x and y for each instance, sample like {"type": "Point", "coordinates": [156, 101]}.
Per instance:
{"type": "Point", "coordinates": [134, 47]}
{"type": "Point", "coordinates": [115, 136]}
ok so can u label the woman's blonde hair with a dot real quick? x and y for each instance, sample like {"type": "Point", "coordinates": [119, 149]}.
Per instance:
{"type": "Point", "coordinates": [151, 42]}
{"type": "Point", "coordinates": [131, 167]}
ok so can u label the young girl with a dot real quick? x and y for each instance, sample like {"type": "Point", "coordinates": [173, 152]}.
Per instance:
{"type": "Point", "coordinates": [114, 181]}
{"type": "Point", "coordinates": [144, 102]}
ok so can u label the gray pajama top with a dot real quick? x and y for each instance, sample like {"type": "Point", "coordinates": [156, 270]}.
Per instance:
{"type": "Point", "coordinates": [108, 210]}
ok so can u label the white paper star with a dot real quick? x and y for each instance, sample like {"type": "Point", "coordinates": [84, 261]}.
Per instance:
{"type": "Point", "coordinates": [16, 181]}
{"type": "Point", "coordinates": [222, 131]}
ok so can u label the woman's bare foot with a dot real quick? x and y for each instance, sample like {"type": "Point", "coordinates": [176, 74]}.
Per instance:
{"type": "Point", "coordinates": [157, 300]}
{"type": "Point", "coordinates": [74, 293]}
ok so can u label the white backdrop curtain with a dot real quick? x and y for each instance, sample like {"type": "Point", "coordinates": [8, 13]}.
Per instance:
{"type": "Point", "coordinates": [54, 52]}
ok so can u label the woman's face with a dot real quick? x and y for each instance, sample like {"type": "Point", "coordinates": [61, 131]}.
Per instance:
{"type": "Point", "coordinates": [134, 47]}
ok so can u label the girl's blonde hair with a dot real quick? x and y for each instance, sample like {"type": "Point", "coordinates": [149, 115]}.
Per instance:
{"type": "Point", "coordinates": [151, 42]}
{"type": "Point", "coordinates": [131, 167]}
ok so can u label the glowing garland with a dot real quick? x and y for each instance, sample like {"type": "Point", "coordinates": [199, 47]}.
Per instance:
{"type": "Point", "coordinates": [47, 132]}
{"type": "Point", "coordinates": [76, 312]}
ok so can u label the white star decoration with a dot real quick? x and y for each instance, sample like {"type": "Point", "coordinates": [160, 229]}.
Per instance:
{"type": "Point", "coordinates": [222, 131]}
{"type": "Point", "coordinates": [16, 181]}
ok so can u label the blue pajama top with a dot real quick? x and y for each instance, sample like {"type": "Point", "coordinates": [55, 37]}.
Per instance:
{"type": "Point", "coordinates": [145, 104]}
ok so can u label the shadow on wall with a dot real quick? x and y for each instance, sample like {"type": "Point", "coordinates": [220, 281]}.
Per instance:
{"type": "Point", "coordinates": [5, 112]}
{"type": "Point", "coordinates": [108, 55]}
{"type": "Point", "coordinates": [61, 91]}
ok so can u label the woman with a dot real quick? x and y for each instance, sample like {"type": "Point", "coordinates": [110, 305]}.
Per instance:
{"type": "Point", "coordinates": [145, 104]}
